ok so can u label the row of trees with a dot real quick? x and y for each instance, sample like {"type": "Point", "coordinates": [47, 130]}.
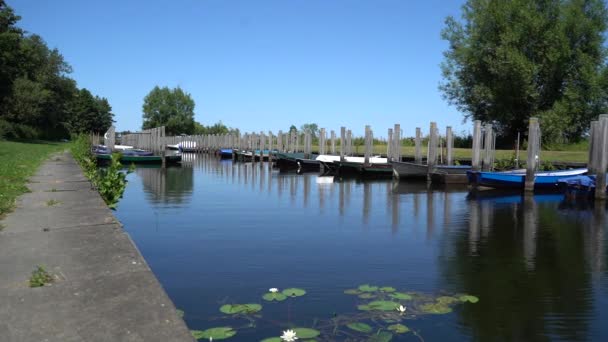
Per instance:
{"type": "Point", "coordinates": [37, 98]}
{"type": "Point", "coordinates": [510, 60]}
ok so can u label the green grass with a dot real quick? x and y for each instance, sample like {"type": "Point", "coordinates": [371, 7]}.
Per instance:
{"type": "Point", "coordinates": [18, 161]}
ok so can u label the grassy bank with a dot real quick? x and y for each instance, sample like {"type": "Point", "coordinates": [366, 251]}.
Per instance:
{"type": "Point", "coordinates": [18, 161]}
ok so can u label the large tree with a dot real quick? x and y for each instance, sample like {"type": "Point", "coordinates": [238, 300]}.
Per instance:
{"type": "Point", "coordinates": [509, 60]}
{"type": "Point", "coordinates": [172, 108]}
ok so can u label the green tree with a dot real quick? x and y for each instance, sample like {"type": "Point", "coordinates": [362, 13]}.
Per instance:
{"type": "Point", "coordinates": [10, 38]}
{"type": "Point", "coordinates": [313, 127]}
{"type": "Point", "coordinates": [509, 60]}
{"type": "Point", "coordinates": [172, 108]}
{"type": "Point", "coordinates": [90, 113]}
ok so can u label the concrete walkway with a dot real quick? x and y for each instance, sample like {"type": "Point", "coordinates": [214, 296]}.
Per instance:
{"type": "Point", "coordinates": [104, 290]}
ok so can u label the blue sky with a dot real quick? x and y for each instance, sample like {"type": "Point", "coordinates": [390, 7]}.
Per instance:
{"type": "Point", "coordinates": [256, 64]}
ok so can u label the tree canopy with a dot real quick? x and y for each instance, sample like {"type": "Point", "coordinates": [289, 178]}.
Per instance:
{"type": "Point", "coordinates": [510, 60]}
{"type": "Point", "coordinates": [172, 108]}
{"type": "Point", "coordinates": [35, 91]}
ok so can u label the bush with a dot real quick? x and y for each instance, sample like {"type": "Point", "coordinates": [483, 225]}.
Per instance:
{"type": "Point", "coordinates": [11, 130]}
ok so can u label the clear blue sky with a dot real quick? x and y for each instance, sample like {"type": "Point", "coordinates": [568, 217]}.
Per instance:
{"type": "Point", "coordinates": [256, 64]}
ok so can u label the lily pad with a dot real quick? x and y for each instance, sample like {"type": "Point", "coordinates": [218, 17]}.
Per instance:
{"type": "Point", "coordinates": [272, 339]}
{"type": "Point", "coordinates": [469, 298]}
{"type": "Point", "coordinates": [278, 296]}
{"type": "Point", "coordinates": [382, 336]}
{"type": "Point", "coordinates": [447, 300]}
{"type": "Point", "coordinates": [180, 313]}
{"type": "Point", "coordinates": [352, 291]}
{"type": "Point", "coordinates": [233, 309]}
{"type": "Point", "coordinates": [398, 328]}
{"type": "Point", "coordinates": [401, 295]}
{"type": "Point", "coordinates": [219, 333]}
{"type": "Point", "coordinates": [366, 295]}
{"type": "Point", "coordinates": [368, 288]}
{"type": "Point", "coordinates": [294, 292]}
{"type": "Point", "coordinates": [360, 327]}
{"type": "Point", "coordinates": [383, 305]}
{"type": "Point", "coordinates": [364, 307]}
{"type": "Point", "coordinates": [306, 332]}
{"type": "Point", "coordinates": [435, 308]}
{"type": "Point", "coordinates": [387, 289]}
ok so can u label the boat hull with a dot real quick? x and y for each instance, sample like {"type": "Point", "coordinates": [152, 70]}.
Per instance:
{"type": "Point", "coordinates": [510, 180]}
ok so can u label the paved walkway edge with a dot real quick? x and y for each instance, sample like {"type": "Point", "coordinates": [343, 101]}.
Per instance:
{"type": "Point", "coordinates": [103, 289]}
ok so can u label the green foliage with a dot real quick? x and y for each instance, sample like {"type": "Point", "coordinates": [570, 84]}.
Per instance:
{"type": "Point", "coordinates": [368, 288]}
{"type": "Point", "coordinates": [294, 292]}
{"type": "Point", "coordinates": [360, 327]}
{"type": "Point", "coordinates": [40, 277]}
{"type": "Point", "coordinates": [277, 296]}
{"type": "Point", "coordinates": [217, 128]}
{"type": "Point", "coordinates": [52, 202]}
{"type": "Point", "coordinates": [306, 332]}
{"type": "Point", "coordinates": [468, 298]}
{"type": "Point", "coordinates": [382, 336]}
{"type": "Point", "coordinates": [35, 91]}
{"type": "Point", "coordinates": [509, 60]}
{"type": "Point", "coordinates": [402, 296]}
{"type": "Point", "coordinates": [110, 182]}
{"type": "Point", "coordinates": [398, 328]}
{"type": "Point", "coordinates": [172, 108]}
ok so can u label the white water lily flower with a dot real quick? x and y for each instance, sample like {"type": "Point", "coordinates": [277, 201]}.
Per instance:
{"type": "Point", "coordinates": [289, 336]}
{"type": "Point", "coordinates": [401, 309]}
{"type": "Point", "coordinates": [274, 290]}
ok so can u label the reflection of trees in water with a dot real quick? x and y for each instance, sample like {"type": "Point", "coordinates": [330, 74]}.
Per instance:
{"type": "Point", "coordinates": [528, 264]}
{"type": "Point", "coordinates": [167, 185]}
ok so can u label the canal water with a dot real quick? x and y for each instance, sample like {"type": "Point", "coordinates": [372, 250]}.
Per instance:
{"type": "Point", "coordinates": [486, 267]}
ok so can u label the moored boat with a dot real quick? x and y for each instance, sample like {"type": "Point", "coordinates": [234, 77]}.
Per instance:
{"type": "Point", "coordinates": [516, 179]}
{"type": "Point", "coordinates": [448, 174]}
{"type": "Point", "coordinates": [225, 153]}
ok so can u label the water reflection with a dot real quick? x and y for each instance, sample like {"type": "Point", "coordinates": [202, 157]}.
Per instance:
{"type": "Point", "coordinates": [167, 185]}
{"type": "Point", "coordinates": [533, 264]}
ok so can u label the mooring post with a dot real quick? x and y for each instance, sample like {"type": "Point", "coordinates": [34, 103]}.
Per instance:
{"type": "Point", "coordinates": [368, 145]}
{"type": "Point", "coordinates": [533, 153]}
{"type": "Point", "coordinates": [417, 146]}
{"type": "Point", "coordinates": [476, 148]}
{"type": "Point", "coordinates": [488, 142]}
{"type": "Point", "coordinates": [601, 157]}
{"type": "Point", "coordinates": [432, 153]}
{"type": "Point", "coordinates": [593, 137]}
{"type": "Point", "coordinates": [349, 143]}
{"type": "Point", "coordinates": [449, 144]}
{"type": "Point", "coordinates": [397, 143]}
{"type": "Point", "coordinates": [322, 141]}
{"type": "Point", "coordinates": [332, 136]}
{"type": "Point", "coordinates": [342, 136]}
{"type": "Point", "coordinates": [389, 145]}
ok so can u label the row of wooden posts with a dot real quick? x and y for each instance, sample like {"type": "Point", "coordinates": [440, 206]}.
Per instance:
{"type": "Point", "coordinates": [482, 154]}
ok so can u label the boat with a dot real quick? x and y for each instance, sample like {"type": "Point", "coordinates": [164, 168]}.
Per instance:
{"type": "Point", "coordinates": [516, 179]}
{"type": "Point", "coordinates": [289, 161]}
{"type": "Point", "coordinates": [579, 186]}
{"type": "Point", "coordinates": [331, 164]}
{"type": "Point", "coordinates": [103, 155]}
{"type": "Point", "coordinates": [184, 146]}
{"type": "Point", "coordinates": [245, 156]}
{"type": "Point", "coordinates": [447, 174]}
{"type": "Point", "coordinates": [376, 168]}
{"type": "Point", "coordinates": [225, 153]}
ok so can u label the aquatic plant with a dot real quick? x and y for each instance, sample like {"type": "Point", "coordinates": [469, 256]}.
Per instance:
{"type": "Point", "coordinates": [233, 309]}
{"type": "Point", "coordinates": [40, 277]}
{"type": "Point", "coordinates": [401, 309]}
{"type": "Point", "coordinates": [289, 336]}
{"type": "Point", "coordinates": [294, 292]}
{"type": "Point", "coordinates": [219, 333]}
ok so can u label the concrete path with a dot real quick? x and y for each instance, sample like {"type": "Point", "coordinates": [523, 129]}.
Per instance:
{"type": "Point", "coordinates": [104, 290]}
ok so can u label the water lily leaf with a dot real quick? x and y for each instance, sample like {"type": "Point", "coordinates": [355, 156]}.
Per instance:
{"type": "Point", "coordinates": [180, 313]}
{"type": "Point", "coordinates": [278, 296]}
{"type": "Point", "coordinates": [435, 308]}
{"type": "Point", "coordinates": [306, 332]}
{"type": "Point", "coordinates": [368, 288]}
{"type": "Point", "coordinates": [352, 291]}
{"type": "Point", "coordinates": [387, 289]}
{"type": "Point", "coordinates": [469, 298]}
{"type": "Point", "coordinates": [294, 292]}
{"type": "Point", "coordinates": [233, 309]}
{"type": "Point", "coordinates": [446, 300]}
{"type": "Point", "coordinates": [382, 336]}
{"type": "Point", "coordinates": [383, 305]}
{"type": "Point", "coordinates": [366, 295]}
{"type": "Point", "coordinates": [360, 327]}
{"type": "Point", "coordinates": [272, 339]}
{"type": "Point", "coordinates": [398, 328]}
{"type": "Point", "coordinates": [401, 295]}
{"type": "Point", "coordinates": [219, 333]}
{"type": "Point", "coordinates": [364, 307]}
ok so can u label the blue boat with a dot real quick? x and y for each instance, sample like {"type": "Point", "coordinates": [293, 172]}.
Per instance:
{"type": "Point", "coordinates": [225, 153]}
{"type": "Point", "coordinates": [516, 179]}
{"type": "Point", "coordinates": [580, 186]}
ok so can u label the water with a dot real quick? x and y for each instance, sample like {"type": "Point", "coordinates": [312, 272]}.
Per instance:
{"type": "Point", "coordinates": [215, 232]}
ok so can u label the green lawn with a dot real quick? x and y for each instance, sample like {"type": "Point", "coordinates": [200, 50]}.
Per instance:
{"type": "Point", "coordinates": [18, 161]}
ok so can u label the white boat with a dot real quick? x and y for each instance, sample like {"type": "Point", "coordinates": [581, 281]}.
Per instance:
{"type": "Point", "coordinates": [185, 146]}
{"type": "Point", "coordinates": [413, 170]}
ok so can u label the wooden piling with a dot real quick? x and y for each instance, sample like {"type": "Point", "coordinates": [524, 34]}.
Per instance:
{"type": "Point", "coordinates": [488, 148]}
{"type": "Point", "coordinates": [533, 153]}
{"type": "Point", "coordinates": [449, 145]}
{"type": "Point", "coordinates": [601, 157]}
{"type": "Point", "coordinates": [342, 136]}
{"type": "Point", "coordinates": [349, 143]}
{"type": "Point", "coordinates": [397, 143]}
{"type": "Point", "coordinates": [593, 142]}
{"type": "Point", "coordinates": [389, 145]}
{"type": "Point", "coordinates": [333, 142]}
{"type": "Point", "coordinates": [432, 152]}
{"type": "Point", "coordinates": [417, 146]}
{"type": "Point", "coordinates": [368, 145]}
{"type": "Point", "coordinates": [322, 141]}
{"type": "Point", "coordinates": [476, 148]}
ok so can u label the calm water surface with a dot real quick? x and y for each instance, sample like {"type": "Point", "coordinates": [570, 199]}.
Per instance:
{"type": "Point", "coordinates": [216, 232]}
